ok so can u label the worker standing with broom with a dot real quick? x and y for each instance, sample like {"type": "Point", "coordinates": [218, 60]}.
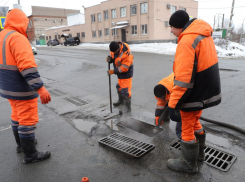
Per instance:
{"type": "Point", "coordinates": [122, 60]}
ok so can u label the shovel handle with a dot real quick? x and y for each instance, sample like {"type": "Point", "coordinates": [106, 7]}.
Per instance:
{"type": "Point", "coordinates": [110, 87]}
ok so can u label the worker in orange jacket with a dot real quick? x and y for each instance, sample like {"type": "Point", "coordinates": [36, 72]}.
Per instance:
{"type": "Point", "coordinates": [122, 60]}
{"type": "Point", "coordinates": [21, 84]}
{"type": "Point", "coordinates": [162, 92]}
{"type": "Point", "coordinates": [196, 85]}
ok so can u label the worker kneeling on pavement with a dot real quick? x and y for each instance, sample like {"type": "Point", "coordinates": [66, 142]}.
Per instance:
{"type": "Point", "coordinates": [122, 60]}
{"type": "Point", "coordinates": [196, 86]}
{"type": "Point", "coordinates": [21, 84]}
{"type": "Point", "coordinates": [162, 92]}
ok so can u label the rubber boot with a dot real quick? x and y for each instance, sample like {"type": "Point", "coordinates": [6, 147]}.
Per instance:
{"type": "Point", "coordinates": [17, 139]}
{"type": "Point", "coordinates": [188, 160]}
{"type": "Point", "coordinates": [127, 106]}
{"type": "Point", "coordinates": [31, 154]}
{"type": "Point", "coordinates": [201, 138]}
{"type": "Point", "coordinates": [120, 100]}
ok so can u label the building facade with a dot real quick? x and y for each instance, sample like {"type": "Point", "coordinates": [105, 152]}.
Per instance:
{"type": "Point", "coordinates": [43, 18]}
{"type": "Point", "coordinates": [132, 21]}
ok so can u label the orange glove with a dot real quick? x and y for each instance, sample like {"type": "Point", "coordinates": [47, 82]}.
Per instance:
{"type": "Point", "coordinates": [157, 121]}
{"type": "Point", "coordinates": [110, 72]}
{"type": "Point", "coordinates": [44, 95]}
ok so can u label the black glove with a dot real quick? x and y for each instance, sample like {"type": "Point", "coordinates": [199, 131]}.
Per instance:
{"type": "Point", "coordinates": [109, 59]}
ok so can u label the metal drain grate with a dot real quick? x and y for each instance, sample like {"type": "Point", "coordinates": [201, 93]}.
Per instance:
{"type": "Point", "coordinates": [127, 145]}
{"type": "Point", "coordinates": [213, 157]}
{"type": "Point", "coordinates": [56, 92]}
{"type": "Point", "coordinates": [76, 101]}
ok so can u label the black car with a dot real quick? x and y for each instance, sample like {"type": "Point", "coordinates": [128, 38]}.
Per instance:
{"type": "Point", "coordinates": [53, 42]}
{"type": "Point", "coordinates": [72, 41]}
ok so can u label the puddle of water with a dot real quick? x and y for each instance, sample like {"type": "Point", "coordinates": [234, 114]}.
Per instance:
{"type": "Point", "coordinates": [111, 124]}
{"type": "Point", "coordinates": [83, 125]}
{"type": "Point", "coordinates": [219, 141]}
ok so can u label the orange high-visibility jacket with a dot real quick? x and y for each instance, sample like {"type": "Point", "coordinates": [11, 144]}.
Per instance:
{"type": "Point", "coordinates": [197, 80]}
{"type": "Point", "coordinates": [168, 83]}
{"type": "Point", "coordinates": [123, 62]}
{"type": "Point", "coordinates": [19, 77]}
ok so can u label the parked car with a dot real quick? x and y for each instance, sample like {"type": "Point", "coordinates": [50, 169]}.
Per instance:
{"type": "Point", "coordinates": [34, 50]}
{"type": "Point", "coordinates": [53, 42]}
{"type": "Point", "coordinates": [72, 41]}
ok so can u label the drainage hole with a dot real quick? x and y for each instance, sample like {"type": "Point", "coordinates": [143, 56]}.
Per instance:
{"type": "Point", "coordinates": [207, 149]}
{"type": "Point", "coordinates": [215, 161]}
{"type": "Point", "coordinates": [220, 155]}
{"type": "Point", "coordinates": [229, 159]}
{"type": "Point", "coordinates": [206, 157]}
{"type": "Point", "coordinates": [215, 153]}
{"type": "Point", "coordinates": [220, 163]}
{"type": "Point", "coordinates": [209, 160]}
{"type": "Point", "coordinates": [140, 153]}
{"type": "Point", "coordinates": [225, 156]}
{"type": "Point", "coordinates": [212, 151]}
{"type": "Point", "coordinates": [225, 165]}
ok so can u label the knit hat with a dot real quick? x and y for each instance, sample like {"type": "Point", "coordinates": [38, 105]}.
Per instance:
{"type": "Point", "coordinates": [114, 46]}
{"type": "Point", "coordinates": [179, 19]}
{"type": "Point", "coordinates": [159, 91]}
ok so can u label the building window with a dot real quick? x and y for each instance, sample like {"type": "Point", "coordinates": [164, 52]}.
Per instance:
{"type": "Point", "coordinates": [100, 33]}
{"type": "Point", "coordinates": [114, 13]}
{"type": "Point", "coordinates": [93, 18]}
{"type": "Point", "coordinates": [143, 8]}
{"type": "Point", "coordinates": [106, 15]}
{"type": "Point", "coordinates": [106, 31]}
{"type": "Point", "coordinates": [83, 35]}
{"type": "Point", "coordinates": [46, 37]}
{"type": "Point", "coordinates": [114, 32]}
{"type": "Point", "coordinates": [59, 36]}
{"type": "Point", "coordinates": [173, 9]}
{"type": "Point", "coordinates": [49, 37]}
{"type": "Point", "coordinates": [123, 11]}
{"type": "Point", "coordinates": [99, 17]}
{"type": "Point", "coordinates": [181, 8]}
{"type": "Point", "coordinates": [144, 29]}
{"type": "Point", "coordinates": [70, 35]}
{"type": "Point", "coordinates": [134, 30]}
{"type": "Point", "coordinates": [94, 34]}
{"type": "Point", "coordinates": [55, 37]}
{"type": "Point", "coordinates": [78, 35]}
{"type": "Point", "coordinates": [133, 9]}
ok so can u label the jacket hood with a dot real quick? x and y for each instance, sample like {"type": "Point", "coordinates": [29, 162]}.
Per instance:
{"type": "Point", "coordinates": [197, 26]}
{"type": "Point", "coordinates": [17, 20]}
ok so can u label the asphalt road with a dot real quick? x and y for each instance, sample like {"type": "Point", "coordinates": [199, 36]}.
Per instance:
{"type": "Point", "coordinates": [72, 132]}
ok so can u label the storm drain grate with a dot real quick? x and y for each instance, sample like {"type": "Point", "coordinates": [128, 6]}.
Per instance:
{"type": "Point", "coordinates": [56, 92]}
{"type": "Point", "coordinates": [127, 145]}
{"type": "Point", "coordinates": [76, 101]}
{"type": "Point", "coordinates": [213, 157]}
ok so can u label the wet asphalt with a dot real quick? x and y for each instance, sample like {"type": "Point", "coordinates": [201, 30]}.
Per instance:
{"type": "Point", "coordinates": [79, 115]}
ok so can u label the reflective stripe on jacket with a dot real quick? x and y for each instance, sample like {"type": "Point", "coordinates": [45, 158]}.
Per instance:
{"type": "Point", "coordinates": [197, 80]}
{"type": "Point", "coordinates": [123, 62]}
{"type": "Point", "coordinates": [168, 83]}
{"type": "Point", "coordinates": [19, 77]}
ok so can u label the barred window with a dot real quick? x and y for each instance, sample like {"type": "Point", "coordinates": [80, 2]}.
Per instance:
{"type": "Point", "coordinates": [99, 17]}
{"type": "Point", "coordinates": [94, 34]}
{"type": "Point", "coordinates": [143, 8]}
{"type": "Point", "coordinates": [114, 13]}
{"type": "Point", "coordinates": [114, 32]}
{"type": "Point", "coordinates": [93, 18]}
{"type": "Point", "coordinates": [106, 15]}
{"type": "Point", "coordinates": [144, 29]}
{"type": "Point", "coordinates": [83, 35]}
{"type": "Point", "coordinates": [100, 33]}
{"type": "Point", "coordinates": [78, 35]}
{"type": "Point", "coordinates": [133, 9]}
{"type": "Point", "coordinates": [133, 29]}
{"type": "Point", "coordinates": [123, 11]}
{"type": "Point", "coordinates": [106, 31]}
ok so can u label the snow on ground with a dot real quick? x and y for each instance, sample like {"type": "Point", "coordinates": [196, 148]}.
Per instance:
{"type": "Point", "coordinates": [224, 48]}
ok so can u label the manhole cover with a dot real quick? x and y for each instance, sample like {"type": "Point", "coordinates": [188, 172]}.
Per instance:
{"type": "Point", "coordinates": [213, 157]}
{"type": "Point", "coordinates": [127, 145]}
{"type": "Point", "coordinates": [76, 101]}
{"type": "Point", "coordinates": [56, 92]}
{"type": "Point", "coordinates": [140, 126]}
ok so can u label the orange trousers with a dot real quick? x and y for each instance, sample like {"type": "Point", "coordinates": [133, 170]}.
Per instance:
{"type": "Point", "coordinates": [190, 125]}
{"type": "Point", "coordinates": [25, 111]}
{"type": "Point", "coordinates": [124, 86]}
